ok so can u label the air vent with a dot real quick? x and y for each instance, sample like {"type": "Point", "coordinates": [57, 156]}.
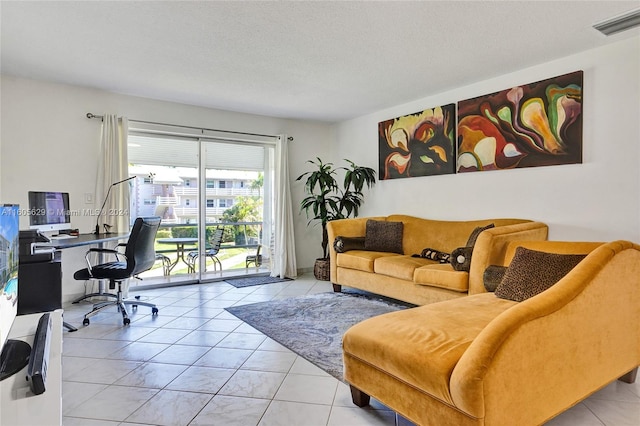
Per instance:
{"type": "Point", "coordinates": [620, 23]}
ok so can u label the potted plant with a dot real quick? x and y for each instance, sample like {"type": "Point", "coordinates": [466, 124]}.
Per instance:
{"type": "Point", "coordinates": [328, 200]}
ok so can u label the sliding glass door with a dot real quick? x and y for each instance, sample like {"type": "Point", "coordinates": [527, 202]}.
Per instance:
{"type": "Point", "coordinates": [234, 208]}
{"type": "Point", "coordinates": [215, 198]}
{"type": "Point", "coordinates": [166, 170]}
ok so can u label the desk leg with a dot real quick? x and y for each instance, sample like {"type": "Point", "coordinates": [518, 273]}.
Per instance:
{"type": "Point", "coordinates": [69, 327]}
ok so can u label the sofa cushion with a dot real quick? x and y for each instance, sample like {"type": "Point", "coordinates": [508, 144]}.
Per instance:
{"type": "Point", "coordinates": [442, 275]}
{"type": "Point", "coordinates": [384, 236]}
{"type": "Point", "coordinates": [360, 260]}
{"type": "Point", "coordinates": [421, 346]}
{"type": "Point", "coordinates": [399, 266]}
{"type": "Point", "coordinates": [531, 272]}
{"type": "Point", "coordinates": [342, 244]}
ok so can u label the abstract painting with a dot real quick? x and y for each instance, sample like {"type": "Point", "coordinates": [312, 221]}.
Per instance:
{"type": "Point", "coordinates": [420, 144]}
{"type": "Point", "coordinates": [538, 124]}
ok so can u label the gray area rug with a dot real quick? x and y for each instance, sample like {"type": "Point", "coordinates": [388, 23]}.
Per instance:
{"type": "Point", "coordinates": [312, 326]}
{"type": "Point", "coordinates": [251, 281]}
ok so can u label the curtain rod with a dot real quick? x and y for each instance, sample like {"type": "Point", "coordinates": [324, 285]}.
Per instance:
{"type": "Point", "coordinates": [92, 116]}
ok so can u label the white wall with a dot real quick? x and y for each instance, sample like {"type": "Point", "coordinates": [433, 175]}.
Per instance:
{"type": "Point", "coordinates": [597, 200]}
{"type": "Point", "coordinates": [48, 144]}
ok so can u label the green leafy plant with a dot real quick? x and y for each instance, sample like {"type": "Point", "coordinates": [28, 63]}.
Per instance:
{"type": "Point", "coordinates": [328, 200]}
{"type": "Point", "coordinates": [245, 209]}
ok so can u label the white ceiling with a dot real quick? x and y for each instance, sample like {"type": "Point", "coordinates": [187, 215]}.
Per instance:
{"type": "Point", "coordinates": [317, 60]}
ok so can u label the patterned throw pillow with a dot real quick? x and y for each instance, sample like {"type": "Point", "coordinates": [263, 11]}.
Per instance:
{"type": "Point", "coordinates": [461, 257]}
{"type": "Point", "coordinates": [474, 234]}
{"type": "Point", "coordinates": [385, 236]}
{"type": "Point", "coordinates": [531, 272]}
{"type": "Point", "coordinates": [342, 244]}
{"type": "Point", "coordinates": [433, 254]}
{"type": "Point", "coordinates": [492, 277]}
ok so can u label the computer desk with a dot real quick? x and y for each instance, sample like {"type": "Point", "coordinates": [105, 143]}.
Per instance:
{"type": "Point", "coordinates": [84, 240]}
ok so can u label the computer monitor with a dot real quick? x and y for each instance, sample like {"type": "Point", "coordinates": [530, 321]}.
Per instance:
{"type": "Point", "coordinates": [49, 211]}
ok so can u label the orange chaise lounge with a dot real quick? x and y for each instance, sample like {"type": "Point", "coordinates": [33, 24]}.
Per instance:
{"type": "Point", "coordinates": [486, 360]}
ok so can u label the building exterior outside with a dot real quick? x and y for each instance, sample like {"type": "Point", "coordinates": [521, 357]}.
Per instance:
{"type": "Point", "coordinates": [172, 192]}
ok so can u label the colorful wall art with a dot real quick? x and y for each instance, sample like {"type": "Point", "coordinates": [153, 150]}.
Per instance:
{"type": "Point", "coordinates": [420, 144]}
{"type": "Point", "coordinates": [538, 124]}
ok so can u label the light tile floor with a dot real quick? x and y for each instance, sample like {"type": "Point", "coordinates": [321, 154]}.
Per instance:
{"type": "Point", "coordinates": [196, 364]}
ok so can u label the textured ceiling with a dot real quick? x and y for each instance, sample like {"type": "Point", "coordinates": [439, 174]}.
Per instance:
{"type": "Point", "coordinates": [318, 60]}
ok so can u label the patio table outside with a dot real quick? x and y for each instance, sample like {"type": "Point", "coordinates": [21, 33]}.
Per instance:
{"type": "Point", "coordinates": [180, 243]}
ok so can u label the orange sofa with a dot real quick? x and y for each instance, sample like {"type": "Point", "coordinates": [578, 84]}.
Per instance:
{"type": "Point", "coordinates": [422, 281]}
{"type": "Point", "coordinates": [486, 361]}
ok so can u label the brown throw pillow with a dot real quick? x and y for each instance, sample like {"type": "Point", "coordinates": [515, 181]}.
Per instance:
{"type": "Point", "coordinates": [342, 244]}
{"type": "Point", "coordinates": [461, 258]}
{"type": "Point", "coordinates": [493, 276]}
{"type": "Point", "coordinates": [474, 234]}
{"type": "Point", "coordinates": [531, 272]}
{"type": "Point", "coordinates": [383, 236]}
{"type": "Point", "coordinates": [433, 254]}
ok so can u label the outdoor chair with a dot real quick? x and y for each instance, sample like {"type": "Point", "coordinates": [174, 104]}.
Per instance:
{"type": "Point", "coordinates": [166, 263]}
{"type": "Point", "coordinates": [211, 252]}
{"type": "Point", "coordinates": [256, 259]}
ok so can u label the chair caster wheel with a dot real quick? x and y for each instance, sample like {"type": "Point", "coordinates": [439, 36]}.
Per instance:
{"type": "Point", "coordinates": [154, 311]}
{"type": "Point", "coordinates": [126, 321]}
{"type": "Point", "coordinates": [85, 321]}
{"type": "Point", "coordinates": [137, 297]}
{"type": "Point", "coordinates": [134, 306]}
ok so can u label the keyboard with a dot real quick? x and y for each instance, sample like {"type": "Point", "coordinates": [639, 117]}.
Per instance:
{"type": "Point", "coordinates": [62, 237]}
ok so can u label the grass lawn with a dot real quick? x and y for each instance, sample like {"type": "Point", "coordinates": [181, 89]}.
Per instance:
{"type": "Point", "coordinates": [181, 268]}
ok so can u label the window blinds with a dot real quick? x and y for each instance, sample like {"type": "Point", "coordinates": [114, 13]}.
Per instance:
{"type": "Point", "coordinates": [178, 147]}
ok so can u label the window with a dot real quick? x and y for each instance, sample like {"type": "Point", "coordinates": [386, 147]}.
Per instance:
{"type": "Point", "coordinates": [196, 171]}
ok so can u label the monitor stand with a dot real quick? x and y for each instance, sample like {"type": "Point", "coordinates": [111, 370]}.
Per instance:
{"type": "Point", "coordinates": [15, 356]}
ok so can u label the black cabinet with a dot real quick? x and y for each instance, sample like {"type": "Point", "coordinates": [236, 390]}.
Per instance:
{"type": "Point", "coordinates": [39, 285]}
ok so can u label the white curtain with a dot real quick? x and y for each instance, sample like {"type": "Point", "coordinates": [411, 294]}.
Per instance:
{"type": "Point", "coordinates": [284, 262]}
{"type": "Point", "coordinates": [113, 167]}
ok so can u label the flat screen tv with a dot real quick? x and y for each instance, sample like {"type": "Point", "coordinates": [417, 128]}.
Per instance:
{"type": "Point", "coordinates": [14, 353]}
{"type": "Point", "coordinates": [49, 211]}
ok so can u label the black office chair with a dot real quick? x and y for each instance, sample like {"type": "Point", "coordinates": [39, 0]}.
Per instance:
{"type": "Point", "coordinates": [211, 252]}
{"type": "Point", "coordinates": [139, 256]}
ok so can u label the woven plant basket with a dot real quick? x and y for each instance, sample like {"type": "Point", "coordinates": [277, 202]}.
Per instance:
{"type": "Point", "coordinates": [322, 270]}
